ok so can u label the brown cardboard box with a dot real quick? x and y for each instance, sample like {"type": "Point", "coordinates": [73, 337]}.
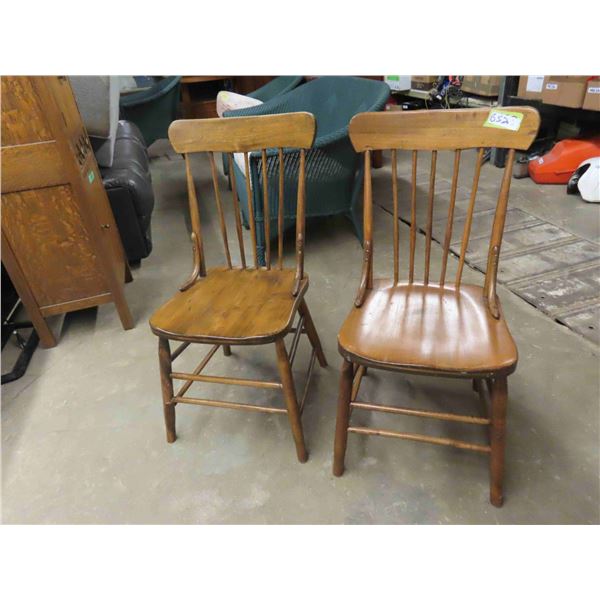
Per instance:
{"type": "Point", "coordinates": [530, 87]}
{"type": "Point", "coordinates": [482, 85]}
{"type": "Point", "coordinates": [591, 100]}
{"type": "Point", "coordinates": [564, 90]}
{"type": "Point", "coordinates": [422, 82]}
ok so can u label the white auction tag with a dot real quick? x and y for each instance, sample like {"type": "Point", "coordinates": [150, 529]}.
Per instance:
{"type": "Point", "coordinates": [504, 119]}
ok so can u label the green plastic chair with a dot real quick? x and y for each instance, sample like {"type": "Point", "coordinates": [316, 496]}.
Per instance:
{"type": "Point", "coordinates": [275, 87]}
{"type": "Point", "coordinates": [153, 110]}
{"type": "Point", "coordinates": [334, 171]}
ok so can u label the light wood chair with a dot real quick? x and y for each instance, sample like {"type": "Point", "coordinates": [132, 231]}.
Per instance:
{"type": "Point", "coordinates": [244, 304]}
{"type": "Point", "coordinates": [432, 327]}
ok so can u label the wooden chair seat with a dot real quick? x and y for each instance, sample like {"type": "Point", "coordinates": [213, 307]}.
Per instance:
{"type": "Point", "coordinates": [427, 328]}
{"type": "Point", "coordinates": [232, 305]}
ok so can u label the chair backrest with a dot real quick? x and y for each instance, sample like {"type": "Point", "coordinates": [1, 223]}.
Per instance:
{"type": "Point", "coordinates": [268, 133]}
{"type": "Point", "coordinates": [433, 131]}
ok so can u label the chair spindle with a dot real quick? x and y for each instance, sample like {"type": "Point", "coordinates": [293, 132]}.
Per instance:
{"type": "Point", "coordinates": [251, 210]}
{"type": "Point", "coordinates": [236, 210]}
{"type": "Point", "coordinates": [280, 210]}
{"type": "Point", "coordinates": [266, 211]}
{"type": "Point", "coordinates": [467, 228]}
{"type": "Point", "coordinates": [450, 220]}
{"type": "Point", "coordinates": [430, 216]}
{"type": "Point", "coordinates": [396, 223]}
{"type": "Point", "coordinates": [413, 218]}
{"type": "Point", "coordinates": [213, 170]}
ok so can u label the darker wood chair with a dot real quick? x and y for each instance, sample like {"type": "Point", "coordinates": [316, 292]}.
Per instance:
{"type": "Point", "coordinates": [244, 304]}
{"type": "Point", "coordinates": [432, 327]}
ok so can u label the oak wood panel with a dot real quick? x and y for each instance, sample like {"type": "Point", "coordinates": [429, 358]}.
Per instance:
{"type": "Point", "coordinates": [440, 130]}
{"type": "Point", "coordinates": [59, 309]}
{"type": "Point", "coordinates": [46, 226]}
{"type": "Point", "coordinates": [23, 117]}
{"type": "Point", "coordinates": [243, 134]}
{"type": "Point", "coordinates": [31, 166]}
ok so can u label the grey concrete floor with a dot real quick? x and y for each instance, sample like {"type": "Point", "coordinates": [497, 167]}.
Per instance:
{"type": "Point", "coordinates": [83, 438]}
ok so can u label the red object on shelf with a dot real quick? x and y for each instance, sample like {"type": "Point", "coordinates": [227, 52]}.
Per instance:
{"type": "Point", "coordinates": [560, 163]}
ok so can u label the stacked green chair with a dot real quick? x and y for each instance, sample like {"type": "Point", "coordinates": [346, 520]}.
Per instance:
{"type": "Point", "coordinates": [154, 109]}
{"type": "Point", "coordinates": [334, 171]}
{"type": "Point", "coordinates": [275, 87]}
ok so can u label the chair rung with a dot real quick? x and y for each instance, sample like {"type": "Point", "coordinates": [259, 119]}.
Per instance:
{"type": "Point", "coordinates": [398, 410]}
{"type": "Point", "coordinates": [228, 380]}
{"type": "Point", "coordinates": [179, 350]}
{"type": "Point", "coordinates": [421, 438]}
{"type": "Point", "coordinates": [309, 372]}
{"type": "Point", "coordinates": [221, 404]}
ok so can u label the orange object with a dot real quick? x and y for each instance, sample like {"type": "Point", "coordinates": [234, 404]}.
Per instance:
{"type": "Point", "coordinates": [560, 163]}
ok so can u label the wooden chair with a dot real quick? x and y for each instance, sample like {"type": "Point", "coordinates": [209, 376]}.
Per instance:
{"type": "Point", "coordinates": [245, 304]}
{"type": "Point", "coordinates": [432, 327]}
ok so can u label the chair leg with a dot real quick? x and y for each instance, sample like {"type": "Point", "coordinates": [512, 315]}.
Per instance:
{"type": "Point", "coordinates": [311, 331]}
{"type": "Point", "coordinates": [226, 349]}
{"type": "Point", "coordinates": [164, 360]}
{"type": "Point", "coordinates": [498, 439]}
{"type": "Point", "coordinates": [343, 418]}
{"type": "Point", "coordinates": [289, 394]}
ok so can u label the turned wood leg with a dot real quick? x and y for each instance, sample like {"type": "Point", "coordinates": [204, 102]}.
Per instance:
{"type": "Point", "coordinates": [166, 383]}
{"type": "Point", "coordinates": [343, 418]}
{"type": "Point", "coordinates": [226, 349]}
{"type": "Point", "coordinates": [289, 394]}
{"type": "Point", "coordinates": [311, 331]}
{"type": "Point", "coordinates": [497, 439]}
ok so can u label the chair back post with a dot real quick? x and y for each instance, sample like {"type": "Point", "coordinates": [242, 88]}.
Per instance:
{"type": "Point", "coordinates": [197, 245]}
{"type": "Point", "coordinates": [491, 273]}
{"type": "Point", "coordinates": [366, 280]}
{"type": "Point", "coordinates": [300, 223]}
{"type": "Point", "coordinates": [245, 135]}
{"type": "Point", "coordinates": [434, 131]}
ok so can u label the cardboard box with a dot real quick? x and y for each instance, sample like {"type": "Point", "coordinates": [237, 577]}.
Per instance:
{"type": "Point", "coordinates": [422, 82]}
{"type": "Point", "coordinates": [591, 100]}
{"type": "Point", "coordinates": [564, 90]}
{"type": "Point", "coordinates": [398, 83]}
{"type": "Point", "coordinates": [482, 85]}
{"type": "Point", "coordinates": [530, 87]}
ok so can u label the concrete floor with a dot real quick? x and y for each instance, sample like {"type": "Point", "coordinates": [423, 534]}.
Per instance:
{"type": "Point", "coordinates": [83, 438]}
